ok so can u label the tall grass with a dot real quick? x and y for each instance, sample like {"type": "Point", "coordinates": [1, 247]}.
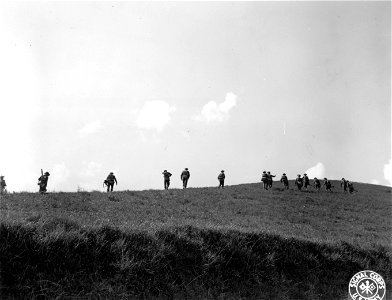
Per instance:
{"type": "Point", "coordinates": [58, 258]}
{"type": "Point", "coordinates": [238, 243]}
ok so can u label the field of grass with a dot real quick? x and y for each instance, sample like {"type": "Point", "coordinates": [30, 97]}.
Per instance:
{"type": "Point", "coordinates": [238, 243]}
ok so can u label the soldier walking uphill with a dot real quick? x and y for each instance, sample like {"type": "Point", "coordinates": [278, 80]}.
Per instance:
{"type": "Point", "coordinates": [328, 185]}
{"type": "Point", "coordinates": [2, 185]}
{"type": "Point", "coordinates": [299, 182]}
{"type": "Point", "coordinates": [306, 181]}
{"type": "Point", "coordinates": [221, 178]}
{"type": "Point", "coordinates": [285, 181]}
{"type": "Point", "coordinates": [43, 182]}
{"type": "Point", "coordinates": [316, 184]}
{"type": "Point", "coordinates": [110, 180]}
{"type": "Point", "coordinates": [343, 184]}
{"type": "Point", "coordinates": [264, 180]}
{"type": "Point", "coordinates": [270, 180]}
{"type": "Point", "coordinates": [185, 175]}
{"type": "Point", "coordinates": [166, 179]}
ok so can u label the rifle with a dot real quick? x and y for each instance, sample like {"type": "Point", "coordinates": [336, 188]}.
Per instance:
{"type": "Point", "coordinates": [40, 179]}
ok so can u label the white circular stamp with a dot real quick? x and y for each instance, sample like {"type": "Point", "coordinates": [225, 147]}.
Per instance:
{"type": "Point", "coordinates": [367, 285]}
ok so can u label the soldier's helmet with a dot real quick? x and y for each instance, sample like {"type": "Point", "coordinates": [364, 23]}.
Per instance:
{"type": "Point", "coordinates": [325, 179]}
{"type": "Point", "coordinates": [264, 172]}
{"type": "Point", "coordinates": [305, 174]}
{"type": "Point", "coordinates": [186, 169]}
{"type": "Point", "coordinates": [342, 178]}
{"type": "Point", "coordinates": [268, 172]}
{"type": "Point", "coordinates": [315, 177]}
{"type": "Point", "coordinates": [111, 173]}
{"type": "Point", "coordinates": [223, 171]}
{"type": "Point", "coordinates": [298, 175]}
{"type": "Point", "coordinates": [284, 174]}
{"type": "Point", "coordinates": [47, 173]}
{"type": "Point", "coordinates": [164, 171]}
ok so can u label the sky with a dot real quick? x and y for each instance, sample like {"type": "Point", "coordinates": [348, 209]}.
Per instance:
{"type": "Point", "coordinates": [135, 88]}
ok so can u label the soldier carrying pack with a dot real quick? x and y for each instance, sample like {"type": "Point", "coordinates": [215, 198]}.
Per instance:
{"type": "Point", "coordinates": [43, 182]}
{"type": "Point", "coordinates": [2, 185]}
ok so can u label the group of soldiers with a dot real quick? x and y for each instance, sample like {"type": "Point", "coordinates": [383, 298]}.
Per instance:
{"type": "Point", "coordinates": [267, 180]}
{"type": "Point", "coordinates": [304, 182]}
{"type": "Point", "coordinates": [185, 175]}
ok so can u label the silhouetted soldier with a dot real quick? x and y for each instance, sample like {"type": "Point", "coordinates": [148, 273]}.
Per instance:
{"type": "Point", "coordinates": [285, 181]}
{"type": "Point", "coordinates": [328, 185]}
{"type": "Point", "coordinates": [221, 178]}
{"type": "Point", "coordinates": [270, 180]}
{"type": "Point", "coordinates": [166, 179]}
{"type": "Point", "coordinates": [43, 182]}
{"type": "Point", "coordinates": [306, 181]}
{"type": "Point", "coordinates": [316, 184]}
{"type": "Point", "coordinates": [185, 175]}
{"type": "Point", "coordinates": [264, 180]}
{"type": "Point", "coordinates": [111, 179]}
{"type": "Point", "coordinates": [343, 184]}
{"type": "Point", "coordinates": [350, 187]}
{"type": "Point", "coordinates": [2, 185]}
{"type": "Point", "coordinates": [299, 182]}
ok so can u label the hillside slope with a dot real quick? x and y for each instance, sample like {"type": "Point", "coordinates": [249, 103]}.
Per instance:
{"type": "Point", "coordinates": [203, 243]}
{"type": "Point", "coordinates": [362, 219]}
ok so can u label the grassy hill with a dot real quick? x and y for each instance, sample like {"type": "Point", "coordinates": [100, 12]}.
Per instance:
{"type": "Point", "coordinates": [236, 243]}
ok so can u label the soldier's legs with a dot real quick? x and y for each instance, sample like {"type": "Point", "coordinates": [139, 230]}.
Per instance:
{"type": "Point", "coordinates": [221, 183]}
{"type": "Point", "coordinates": [42, 188]}
{"type": "Point", "coordinates": [167, 184]}
{"type": "Point", "coordinates": [265, 185]}
{"type": "Point", "coordinates": [184, 183]}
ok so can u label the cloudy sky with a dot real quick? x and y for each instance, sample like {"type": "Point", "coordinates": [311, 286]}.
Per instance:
{"type": "Point", "coordinates": [134, 88]}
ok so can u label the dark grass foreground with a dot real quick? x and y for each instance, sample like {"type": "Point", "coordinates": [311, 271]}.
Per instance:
{"type": "Point", "coordinates": [61, 259]}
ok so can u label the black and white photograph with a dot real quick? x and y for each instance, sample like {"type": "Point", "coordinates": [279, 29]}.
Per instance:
{"type": "Point", "coordinates": [195, 150]}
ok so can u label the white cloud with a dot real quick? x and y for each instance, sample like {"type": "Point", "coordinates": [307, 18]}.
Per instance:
{"type": "Point", "coordinates": [58, 176]}
{"type": "Point", "coordinates": [214, 112]}
{"type": "Point", "coordinates": [388, 172]}
{"type": "Point", "coordinates": [316, 171]}
{"type": "Point", "coordinates": [154, 115]}
{"type": "Point", "coordinates": [90, 128]}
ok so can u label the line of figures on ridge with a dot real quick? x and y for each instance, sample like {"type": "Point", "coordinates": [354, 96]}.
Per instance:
{"type": "Point", "coordinates": [266, 179]}
{"type": "Point", "coordinates": [304, 182]}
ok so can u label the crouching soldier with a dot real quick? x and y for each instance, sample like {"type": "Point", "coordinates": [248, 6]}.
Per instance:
{"type": "Point", "coordinates": [343, 184]}
{"type": "Point", "coordinates": [306, 181]}
{"type": "Point", "coordinates": [221, 178]}
{"type": "Point", "coordinates": [166, 179]}
{"type": "Point", "coordinates": [110, 180]}
{"type": "Point", "coordinates": [43, 182]}
{"type": "Point", "coordinates": [264, 180]}
{"type": "Point", "coordinates": [328, 185]}
{"type": "Point", "coordinates": [185, 175]}
{"type": "Point", "coordinates": [285, 181]}
{"type": "Point", "coordinates": [2, 185]}
{"type": "Point", "coordinates": [316, 184]}
{"type": "Point", "coordinates": [299, 182]}
{"type": "Point", "coordinates": [350, 187]}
